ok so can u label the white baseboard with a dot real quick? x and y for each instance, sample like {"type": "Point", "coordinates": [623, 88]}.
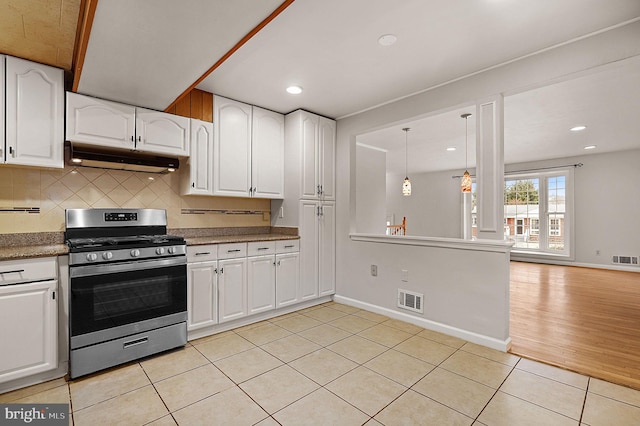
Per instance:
{"type": "Point", "coordinates": [469, 336]}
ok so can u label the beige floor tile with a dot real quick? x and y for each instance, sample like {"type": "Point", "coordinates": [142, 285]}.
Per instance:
{"type": "Point", "coordinates": [324, 334]}
{"type": "Point", "coordinates": [229, 407]}
{"type": "Point", "coordinates": [554, 373]}
{"type": "Point", "coordinates": [297, 323]}
{"type": "Point", "coordinates": [426, 350]}
{"type": "Point", "coordinates": [404, 326]}
{"type": "Point", "coordinates": [264, 334]}
{"type": "Point", "coordinates": [325, 314]}
{"type": "Point", "coordinates": [31, 390]}
{"type": "Point", "coordinates": [278, 388]}
{"type": "Point", "coordinates": [474, 367]}
{"type": "Point", "coordinates": [400, 367]}
{"type": "Point", "coordinates": [507, 410]}
{"type": "Point", "coordinates": [57, 395]}
{"type": "Point", "coordinates": [345, 308]}
{"type": "Point", "coordinates": [323, 366]}
{"type": "Point", "coordinates": [137, 407]}
{"type": "Point", "coordinates": [248, 364]}
{"type": "Point", "coordinates": [105, 385]}
{"type": "Point", "coordinates": [357, 349]}
{"type": "Point", "coordinates": [163, 421]}
{"type": "Point", "coordinates": [291, 347]}
{"type": "Point", "coordinates": [320, 408]}
{"type": "Point", "coordinates": [613, 391]}
{"type": "Point", "coordinates": [352, 323]}
{"type": "Point", "coordinates": [454, 391]}
{"type": "Point", "coordinates": [601, 411]}
{"type": "Point", "coordinates": [371, 316]}
{"type": "Point", "coordinates": [415, 409]}
{"type": "Point", "coordinates": [384, 335]}
{"type": "Point", "coordinates": [454, 342]}
{"type": "Point", "coordinates": [226, 346]}
{"type": "Point", "coordinates": [555, 396]}
{"type": "Point", "coordinates": [492, 354]}
{"type": "Point", "coordinates": [192, 386]}
{"type": "Point", "coordinates": [171, 363]}
{"type": "Point", "coordinates": [366, 390]}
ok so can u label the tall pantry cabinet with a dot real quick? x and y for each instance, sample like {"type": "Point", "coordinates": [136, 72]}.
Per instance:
{"type": "Point", "coordinates": [309, 204]}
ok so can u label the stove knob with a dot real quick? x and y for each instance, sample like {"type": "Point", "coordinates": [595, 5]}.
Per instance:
{"type": "Point", "coordinates": [160, 250]}
{"type": "Point", "coordinates": [107, 255]}
{"type": "Point", "coordinates": [135, 253]}
{"type": "Point", "coordinates": [171, 250]}
{"type": "Point", "coordinates": [91, 257]}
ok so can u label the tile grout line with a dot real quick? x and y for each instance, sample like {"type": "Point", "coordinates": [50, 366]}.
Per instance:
{"type": "Point", "coordinates": [496, 392]}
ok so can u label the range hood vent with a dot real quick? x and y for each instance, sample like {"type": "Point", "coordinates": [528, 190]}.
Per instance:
{"type": "Point", "coordinates": [100, 158]}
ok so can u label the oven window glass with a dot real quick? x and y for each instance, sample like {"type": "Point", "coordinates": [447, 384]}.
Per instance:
{"type": "Point", "coordinates": [104, 301]}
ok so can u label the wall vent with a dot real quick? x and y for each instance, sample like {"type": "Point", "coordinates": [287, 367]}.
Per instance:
{"type": "Point", "coordinates": [410, 300]}
{"type": "Point", "coordinates": [625, 260]}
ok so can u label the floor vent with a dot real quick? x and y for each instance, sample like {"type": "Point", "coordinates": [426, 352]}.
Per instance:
{"type": "Point", "coordinates": [410, 300]}
{"type": "Point", "coordinates": [625, 260]}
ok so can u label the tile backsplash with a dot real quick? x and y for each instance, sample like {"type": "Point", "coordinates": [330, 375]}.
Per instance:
{"type": "Point", "coordinates": [34, 200]}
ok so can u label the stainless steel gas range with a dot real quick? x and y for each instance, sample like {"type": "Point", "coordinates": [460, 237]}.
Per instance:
{"type": "Point", "coordinates": [128, 287]}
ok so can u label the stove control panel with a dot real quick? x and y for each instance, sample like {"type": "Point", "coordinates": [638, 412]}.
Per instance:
{"type": "Point", "coordinates": [120, 217]}
{"type": "Point", "coordinates": [120, 255]}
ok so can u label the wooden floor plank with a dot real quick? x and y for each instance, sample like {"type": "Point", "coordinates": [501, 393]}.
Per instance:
{"type": "Point", "coordinates": [581, 319]}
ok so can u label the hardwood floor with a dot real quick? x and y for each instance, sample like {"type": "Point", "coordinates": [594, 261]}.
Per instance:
{"type": "Point", "coordinates": [581, 319]}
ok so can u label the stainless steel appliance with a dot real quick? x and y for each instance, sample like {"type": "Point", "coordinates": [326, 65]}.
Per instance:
{"type": "Point", "coordinates": [128, 287]}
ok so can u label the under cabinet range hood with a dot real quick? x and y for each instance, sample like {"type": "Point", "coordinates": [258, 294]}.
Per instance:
{"type": "Point", "coordinates": [100, 158]}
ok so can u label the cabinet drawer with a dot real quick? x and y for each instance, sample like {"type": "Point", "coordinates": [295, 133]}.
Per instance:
{"type": "Point", "coordinates": [260, 248]}
{"type": "Point", "coordinates": [233, 250]}
{"type": "Point", "coordinates": [202, 253]}
{"type": "Point", "coordinates": [28, 270]}
{"type": "Point", "coordinates": [287, 246]}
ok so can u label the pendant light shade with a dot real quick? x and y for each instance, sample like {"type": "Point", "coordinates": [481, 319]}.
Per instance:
{"type": "Point", "coordinates": [465, 183]}
{"type": "Point", "coordinates": [406, 185]}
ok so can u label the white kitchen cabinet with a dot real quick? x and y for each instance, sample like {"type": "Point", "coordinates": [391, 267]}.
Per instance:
{"type": "Point", "coordinates": [248, 150]}
{"type": "Point", "coordinates": [261, 284]}
{"type": "Point", "coordinates": [202, 295]}
{"type": "Point", "coordinates": [232, 287]}
{"type": "Point", "coordinates": [28, 318]}
{"type": "Point", "coordinates": [232, 147]}
{"type": "Point", "coordinates": [93, 121]}
{"type": "Point", "coordinates": [198, 180]}
{"type": "Point", "coordinates": [267, 154]}
{"type": "Point", "coordinates": [317, 249]}
{"type": "Point", "coordinates": [287, 279]}
{"type": "Point", "coordinates": [34, 114]}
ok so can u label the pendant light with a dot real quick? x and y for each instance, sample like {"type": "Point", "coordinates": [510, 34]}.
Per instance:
{"type": "Point", "coordinates": [465, 183]}
{"type": "Point", "coordinates": [406, 186]}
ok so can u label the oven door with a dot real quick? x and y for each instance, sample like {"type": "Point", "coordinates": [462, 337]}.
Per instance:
{"type": "Point", "coordinates": [114, 300]}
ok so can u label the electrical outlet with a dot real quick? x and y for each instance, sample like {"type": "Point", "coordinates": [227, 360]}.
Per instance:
{"type": "Point", "coordinates": [404, 275]}
{"type": "Point", "coordinates": [281, 214]}
{"type": "Point", "coordinates": [374, 270]}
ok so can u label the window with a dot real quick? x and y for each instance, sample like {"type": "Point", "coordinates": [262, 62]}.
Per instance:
{"type": "Point", "coordinates": [536, 217]}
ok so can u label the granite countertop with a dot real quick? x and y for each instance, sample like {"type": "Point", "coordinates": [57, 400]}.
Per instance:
{"type": "Point", "coordinates": [31, 251]}
{"type": "Point", "coordinates": [221, 239]}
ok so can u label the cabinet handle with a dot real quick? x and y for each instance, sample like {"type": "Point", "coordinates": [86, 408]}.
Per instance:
{"type": "Point", "coordinates": [215, 271]}
{"type": "Point", "coordinates": [263, 248]}
{"type": "Point", "coordinates": [318, 189]}
{"type": "Point", "coordinates": [53, 295]}
{"type": "Point", "coordinates": [278, 263]}
{"type": "Point", "coordinates": [17, 271]}
{"type": "Point", "coordinates": [291, 246]}
{"type": "Point", "coordinates": [11, 150]}
{"type": "Point", "coordinates": [193, 184]}
{"type": "Point", "coordinates": [321, 190]}
{"type": "Point", "coordinates": [139, 138]}
{"type": "Point", "coordinates": [132, 139]}
{"type": "Point", "coordinates": [203, 253]}
{"type": "Point", "coordinates": [222, 270]}
{"type": "Point", "coordinates": [136, 342]}
{"type": "Point", "coordinates": [233, 251]}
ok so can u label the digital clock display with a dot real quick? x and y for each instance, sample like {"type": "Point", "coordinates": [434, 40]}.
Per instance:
{"type": "Point", "coordinates": [120, 217]}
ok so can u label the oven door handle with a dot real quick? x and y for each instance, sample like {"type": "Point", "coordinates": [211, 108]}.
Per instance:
{"type": "Point", "coordinates": [112, 268]}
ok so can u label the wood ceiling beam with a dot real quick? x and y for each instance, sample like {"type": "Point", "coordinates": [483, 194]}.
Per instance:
{"type": "Point", "coordinates": [83, 31]}
{"type": "Point", "coordinates": [237, 46]}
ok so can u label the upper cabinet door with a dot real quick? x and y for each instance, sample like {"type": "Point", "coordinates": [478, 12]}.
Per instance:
{"type": "Point", "coordinates": [97, 122]}
{"type": "Point", "coordinates": [34, 114]}
{"type": "Point", "coordinates": [162, 133]}
{"type": "Point", "coordinates": [232, 147]}
{"type": "Point", "coordinates": [309, 145]}
{"type": "Point", "coordinates": [267, 154]}
{"type": "Point", "coordinates": [199, 180]}
{"type": "Point", "coordinates": [327, 158]}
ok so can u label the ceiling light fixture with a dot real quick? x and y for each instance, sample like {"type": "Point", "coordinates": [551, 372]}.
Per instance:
{"type": "Point", "coordinates": [465, 183]}
{"type": "Point", "coordinates": [406, 186]}
{"type": "Point", "coordinates": [590, 147]}
{"type": "Point", "coordinates": [387, 40]}
{"type": "Point", "coordinates": [578, 128]}
{"type": "Point", "coordinates": [294, 90]}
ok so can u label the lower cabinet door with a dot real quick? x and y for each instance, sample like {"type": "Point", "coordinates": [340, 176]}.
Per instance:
{"type": "Point", "coordinates": [28, 330]}
{"type": "Point", "coordinates": [232, 289]}
{"type": "Point", "coordinates": [287, 279]}
{"type": "Point", "coordinates": [202, 292]}
{"type": "Point", "coordinates": [262, 284]}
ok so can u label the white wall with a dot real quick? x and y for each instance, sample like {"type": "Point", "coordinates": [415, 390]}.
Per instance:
{"type": "Point", "coordinates": [371, 202]}
{"type": "Point", "coordinates": [450, 276]}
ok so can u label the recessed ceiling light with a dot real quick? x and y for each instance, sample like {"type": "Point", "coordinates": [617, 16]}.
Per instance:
{"type": "Point", "coordinates": [294, 90]}
{"type": "Point", "coordinates": [578, 128]}
{"type": "Point", "coordinates": [387, 40]}
{"type": "Point", "coordinates": [451, 148]}
{"type": "Point", "coordinates": [590, 147]}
